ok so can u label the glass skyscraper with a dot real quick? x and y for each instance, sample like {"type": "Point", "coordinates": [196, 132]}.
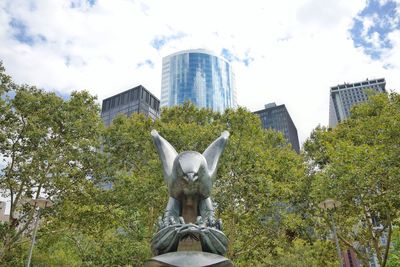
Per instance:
{"type": "Point", "coordinates": [199, 76]}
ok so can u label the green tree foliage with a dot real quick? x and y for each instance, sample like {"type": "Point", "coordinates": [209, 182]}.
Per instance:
{"type": "Point", "coordinates": [394, 254]}
{"type": "Point", "coordinates": [357, 164]}
{"type": "Point", "coordinates": [48, 149]}
{"type": "Point", "coordinates": [109, 191]}
{"type": "Point", "coordinates": [303, 254]}
{"type": "Point", "coordinates": [259, 191]}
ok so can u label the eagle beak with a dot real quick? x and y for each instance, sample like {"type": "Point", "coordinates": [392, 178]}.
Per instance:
{"type": "Point", "coordinates": [191, 176]}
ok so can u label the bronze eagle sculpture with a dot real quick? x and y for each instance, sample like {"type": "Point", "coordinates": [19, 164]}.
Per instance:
{"type": "Point", "coordinates": [190, 212]}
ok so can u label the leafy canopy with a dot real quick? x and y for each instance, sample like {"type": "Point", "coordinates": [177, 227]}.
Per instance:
{"type": "Point", "coordinates": [357, 164]}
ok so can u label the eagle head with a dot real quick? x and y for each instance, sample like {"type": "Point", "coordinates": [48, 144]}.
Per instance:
{"type": "Point", "coordinates": [190, 165]}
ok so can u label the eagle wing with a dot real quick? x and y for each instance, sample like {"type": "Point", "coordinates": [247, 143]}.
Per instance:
{"type": "Point", "coordinates": [167, 154]}
{"type": "Point", "coordinates": [213, 153]}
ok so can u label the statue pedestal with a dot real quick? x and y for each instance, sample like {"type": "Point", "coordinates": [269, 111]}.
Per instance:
{"type": "Point", "coordinates": [188, 259]}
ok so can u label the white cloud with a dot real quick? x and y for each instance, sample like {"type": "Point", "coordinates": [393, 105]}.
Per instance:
{"type": "Point", "coordinates": [300, 48]}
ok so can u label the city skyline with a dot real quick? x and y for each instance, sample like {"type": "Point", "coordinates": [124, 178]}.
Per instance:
{"type": "Point", "coordinates": [287, 52]}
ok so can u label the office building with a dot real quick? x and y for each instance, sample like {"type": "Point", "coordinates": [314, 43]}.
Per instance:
{"type": "Point", "coordinates": [344, 96]}
{"type": "Point", "coordinates": [199, 76]}
{"type": "Point", "coordinates": [278, 118]}
{"type": "Point", "coordinates": [135, 100]}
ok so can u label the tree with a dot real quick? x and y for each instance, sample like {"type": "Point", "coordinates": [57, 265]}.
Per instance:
{"type": "Point", "coordinates": [394, 255]}
{"type": "Point", "coordinates": [260, 189]}
{"type": "Point", "coordinates": [49, 149]}
{"type": "Point", "coordinates": [108, 187]}
{"type": "Point", "coordinates": [357, 164]}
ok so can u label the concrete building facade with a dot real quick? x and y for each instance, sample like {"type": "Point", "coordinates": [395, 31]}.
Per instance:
{"type": "Point", "coordinates": [344, 96]}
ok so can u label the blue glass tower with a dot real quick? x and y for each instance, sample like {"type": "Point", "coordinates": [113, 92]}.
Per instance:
{"type": "Point", "coordinates": [199, 76]}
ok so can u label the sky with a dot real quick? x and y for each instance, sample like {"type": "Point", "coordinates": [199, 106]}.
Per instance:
{"type": "Point", "coordinates": [288, 52]}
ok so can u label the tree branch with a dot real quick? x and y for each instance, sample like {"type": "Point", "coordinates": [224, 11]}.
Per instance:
{"type": "Point", "coordinates": [11, 167]}
{"type": "Point", "coordinates": [375, 240]}
{"type": "Point", "coordinates": [351, 246]}
{"type": "Point", "coordinates": [387, 245]}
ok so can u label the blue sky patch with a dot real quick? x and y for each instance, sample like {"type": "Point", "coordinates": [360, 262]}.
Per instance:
{"type": "Point", "coordinates": [80, 3]}
{"type": "Point", "coordinates": [92, 2]}
{"type": "Point", "coordinates": [162, 40]}
{"type": "Point", "coordinates": [147, 62]}
{"type": "Point", "coordinates": [21, 34]}
{"type": "Point", "coordinates": [64, 95]}
{"type": "Point", "coordinates": [388, 66]}
{"type": "Point", "coordinates": [372, 26]}
{"type": "Point", "coordinates": [227, 54]}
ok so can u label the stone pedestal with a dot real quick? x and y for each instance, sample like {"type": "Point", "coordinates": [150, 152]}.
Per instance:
{"type": "Point", "coordinates": [189, 259]}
